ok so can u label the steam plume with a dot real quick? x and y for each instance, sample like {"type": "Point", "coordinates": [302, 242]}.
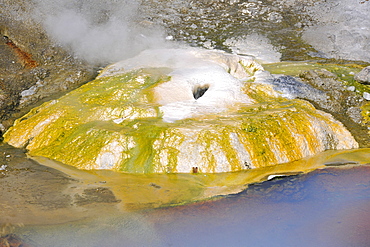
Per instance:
{"type": "Point", "coordinates": [99, 32]}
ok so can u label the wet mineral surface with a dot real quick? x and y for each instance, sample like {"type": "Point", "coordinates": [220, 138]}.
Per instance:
{"type": "Point", "coordinates": [334, 203]}
{"type": "Point", "coordinates": [32, 193]}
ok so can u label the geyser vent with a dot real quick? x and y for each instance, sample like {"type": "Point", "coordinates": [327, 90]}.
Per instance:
{"type": "Point", "coordinates": [199, 91]}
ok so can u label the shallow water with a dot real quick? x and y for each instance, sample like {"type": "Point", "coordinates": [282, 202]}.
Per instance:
{"type": "Point", "coordinates": [140, 192]}
{"type": "Point", "coordinates": [324, 208]}
{"type": "Point", "coordinates": [329, 207]}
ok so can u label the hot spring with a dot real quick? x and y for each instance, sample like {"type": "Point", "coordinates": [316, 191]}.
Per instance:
{"type": "Point", "coordinates": [208, 122]}
{"type": "Point", "coordinates": [179, 111]}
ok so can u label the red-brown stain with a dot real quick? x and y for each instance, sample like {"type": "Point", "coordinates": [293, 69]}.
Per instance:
{"type": "Point", "coordinates": [195, 169]}
{"type": "Point", "coordinates": [24, 57]}
{"type": "Point", "coordinates": [12, 240]}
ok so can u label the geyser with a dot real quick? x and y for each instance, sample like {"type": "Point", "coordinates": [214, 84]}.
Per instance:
{"type": "Point", "coordinates": [178, 110]}
{"type": "Point", "coordinates": [199, 91]}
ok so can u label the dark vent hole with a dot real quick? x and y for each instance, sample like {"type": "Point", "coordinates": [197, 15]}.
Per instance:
{"type": "Point", "coordinates": [199, 91]}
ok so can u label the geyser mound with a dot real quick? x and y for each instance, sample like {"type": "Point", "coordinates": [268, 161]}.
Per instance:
{"type": "Point", "coordinates": [178, 110]}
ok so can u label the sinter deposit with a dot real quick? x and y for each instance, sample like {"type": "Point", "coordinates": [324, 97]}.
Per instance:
{"type": "Point", "coordinates": [178, 110]}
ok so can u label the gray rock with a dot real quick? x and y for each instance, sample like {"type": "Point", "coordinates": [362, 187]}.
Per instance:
{"type": "Point", "coordinates": [293, 88]}
{"type": "Point", "coordinates": [355, 114]}
{"type": "Point", "coordinates": [32, 66]}
{"type": "Point", "coordinates": [363, 76]}
{"type": "Point", "coordinates": [327, 82]}
{"type": "Point", "coordinates": [366, 95]}
{"type": "Point", "coordinates": [343, 104]}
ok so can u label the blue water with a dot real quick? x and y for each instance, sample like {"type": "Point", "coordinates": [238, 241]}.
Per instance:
{"type": "Point", "coordinates": [324, 208]}
{"type": "Point", "coordinates": [328, 207]}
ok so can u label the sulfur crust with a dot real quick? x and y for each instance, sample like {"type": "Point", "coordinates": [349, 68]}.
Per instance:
{"type": "Point", "coordinates": [115, 122]}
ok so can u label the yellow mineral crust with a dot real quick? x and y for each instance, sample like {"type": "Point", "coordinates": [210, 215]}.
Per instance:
{"type": "Point", "coordinates": [119, 122]}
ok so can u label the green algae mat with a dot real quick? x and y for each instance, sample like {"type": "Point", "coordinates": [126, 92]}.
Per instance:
{"type": "Point", "coordinates": [178, 111]}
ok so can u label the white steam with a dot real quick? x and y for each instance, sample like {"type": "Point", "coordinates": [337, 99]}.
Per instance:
{"type": "Point", "coordinates": [343, 29]}
{"type": "Point", "coordinates": [255, 45]}
{"type": "Point", "coordinates": [98, 31]}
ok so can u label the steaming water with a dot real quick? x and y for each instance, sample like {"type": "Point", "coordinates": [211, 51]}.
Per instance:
{"type": "Point", "coordinates": [324, 208]}
{"type": "Point", "coordinates": [270, 30]}
{"type": "Point", "coordinates": [109, 31]}
{"type": "Point", "coordinates": [192, 68]}
{"type": "Point", "coordinates": [342, 30]}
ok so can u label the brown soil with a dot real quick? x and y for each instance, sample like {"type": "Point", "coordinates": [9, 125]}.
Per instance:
{"type": "Point", "coordinates": [12, 240]}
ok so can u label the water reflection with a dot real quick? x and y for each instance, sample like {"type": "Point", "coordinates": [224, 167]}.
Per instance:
{"type": "Point", "coordinates": [327, 207]}
{"type": "Point", "coordinates": [147, 191]}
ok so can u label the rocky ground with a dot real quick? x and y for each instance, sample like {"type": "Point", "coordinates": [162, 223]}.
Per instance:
{"type": "Point", "coordinates": [34, 68]}
{"type": "Point", "coordinates": [345, 105]}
